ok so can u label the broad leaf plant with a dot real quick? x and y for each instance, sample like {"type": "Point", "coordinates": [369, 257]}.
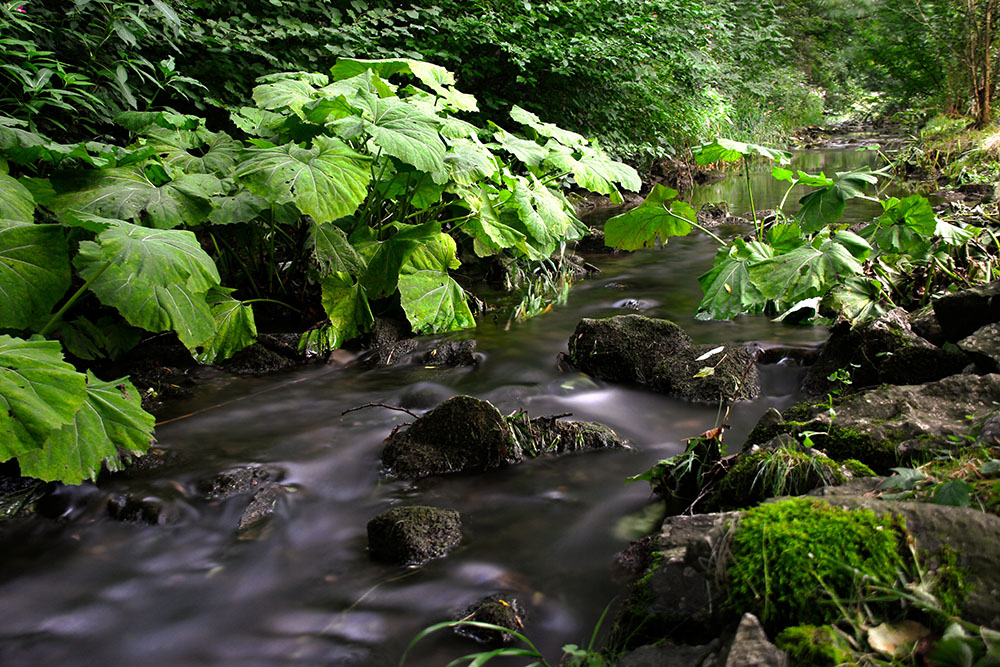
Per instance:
{"type": "Point", "coordinates": [360, 185]}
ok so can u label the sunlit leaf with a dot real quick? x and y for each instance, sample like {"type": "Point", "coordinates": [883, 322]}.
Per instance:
{"type": "Point", "coordinates": [34, 272]}
{"type": "Point", "coordinates": [728, 150]}
{"type": "Point", "coordinates": [235, 327]}
{"type": "Point", "coordinates": [654, 219]}
{"type": "Point", "coordinates": [564, 137]}
{"type": "Point", "coordinates": [332, 251]}
{"type": "Point", "coordinates": [157, 279]}
{"type": "Point", "coordinates": [109, 424]}
{"type": "Point", "coordinates": [328, 181]}
{"type": "Point", "coordinates": [39, 393]}
{"type": "Point", "coordinates": [728, 289]}
{"type": "Point", "coordinates": [432, 300]}
{"type": "Point", "coordinates": [196, 151]}
{"type": "Point", "coordinates": [346, 305]}
{"type": "Point", "coordinates": [16, 202]}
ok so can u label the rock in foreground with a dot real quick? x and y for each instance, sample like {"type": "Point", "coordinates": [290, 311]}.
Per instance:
{"type": "Point", "coordinates": [413, 535]}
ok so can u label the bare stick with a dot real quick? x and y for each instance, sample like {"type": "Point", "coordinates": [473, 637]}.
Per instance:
{"type": "Point", "coordinates": [381, 405]}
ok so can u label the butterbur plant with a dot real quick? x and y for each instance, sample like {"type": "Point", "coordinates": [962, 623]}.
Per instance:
{"type": "Point", "coordinates": [348, 192]}
{"type": "Point", "coordinates": [807, 261]}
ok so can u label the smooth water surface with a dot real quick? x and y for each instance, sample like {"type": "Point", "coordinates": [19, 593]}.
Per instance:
{"type": "Point", "coordinates": [86, 590]}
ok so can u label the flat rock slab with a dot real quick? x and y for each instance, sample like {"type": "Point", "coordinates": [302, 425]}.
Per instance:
{"type": "Point", "coordinates": [466, 434]}
{"type": "Point", "coordinates": [885, 426]}
{"type": "Point", "coordinates": [658, 354]}
{"type": "Point", "coordinates": [414, 534]}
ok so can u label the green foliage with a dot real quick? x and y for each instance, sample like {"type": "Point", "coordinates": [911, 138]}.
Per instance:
{"type": "Point", "coordinates": [351, 191]}
{"type": "Point", "coordinates": [821, 646]}
{"type": "Point", "coordinates": [792, 562]}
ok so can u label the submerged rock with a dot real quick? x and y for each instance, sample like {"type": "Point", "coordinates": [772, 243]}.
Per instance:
{"type": "Point", "coordinates": [257, 519]}
{"type": "Point", "coordinates": [465, 434]}
{"type": "Point", "coordinates": [883, 351]}
{"type": "Point", "coordinates": [413, 535]}
{"type": "Point", "coordinates": [236, 481]}
{"type": "Point", "coordinates": [885, 426]}
{"type": "Point", "coordinates": [271, 352]}
{"type": "Point", "coordinates": [451, 353]}
{"type": "Point", "coordinates": [499, 609]}
{"type": "Point", "coordinates": [658, 354]}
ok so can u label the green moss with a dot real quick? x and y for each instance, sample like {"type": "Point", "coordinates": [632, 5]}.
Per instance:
{"type": "Point", "coordinates": [777, 472]}
{"type": "Point", "coordinates": [951, 584]}
{"type": "Point", "coordinates": [790, 559]}
{"type": "Point", "coordinates": [843, 443]}
{"type": "Point", "coordinates": [818, 646]}
{"type": "Point", "coordinates": [857, 468]}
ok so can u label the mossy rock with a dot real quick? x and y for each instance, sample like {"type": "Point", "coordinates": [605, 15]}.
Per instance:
{"type": "Point", "coordinates": [883, 351]}
{"type": "Point", "coordinates": [499, 609]}
{"type": "Point", "coordinates": [466, 434]}
{"type": "Point", "coordinates": [658, 354]}
{"type": "Point", "coordinates": [770, 472]}
{"type": "Point", "coordinates": [780, 551]}
{"type": "Point", "coordinates": [888, 426]}
{"type": "Point", "coordinates": [413, 534]}
{"type": "Point", "coordinates": [461, 434]}
{"type": "Point", "coordinates": [818, 646]}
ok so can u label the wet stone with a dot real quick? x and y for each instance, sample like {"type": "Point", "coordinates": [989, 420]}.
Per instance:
{"type": "Point", "coordinates": [962, 313]}
{"type": "Point", "coordinates": [658, 354]}
{"type": "Point", "coordinates": [235, 481]}
{"type": "Point", "coordinates": [414, 534]}
{"type": "Point", "coordinates": [983, 347]}
{"type": "Point", "coordinates": [132, 509]}
{"type": "Point", "coordinates": [451, 353]}
{"type": "Point", "coordinates": [258, 518]}
{"type": "Point", "coordinates": [499, 609]}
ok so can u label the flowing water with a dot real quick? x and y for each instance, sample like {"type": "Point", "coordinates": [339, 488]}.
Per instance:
{"type": "Point", "coordinates": [86, 590]}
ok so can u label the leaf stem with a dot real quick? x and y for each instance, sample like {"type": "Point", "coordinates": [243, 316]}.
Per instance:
{"type": "Point", "coordinates": [73, 299]}
{"type": "Point", "coordinates": [699, 226]}
{"type": "Point", "coordinates": [280, 303]}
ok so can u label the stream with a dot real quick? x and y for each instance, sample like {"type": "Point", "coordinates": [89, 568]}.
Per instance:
{"type": "Point", "coordinates": [86, 590]}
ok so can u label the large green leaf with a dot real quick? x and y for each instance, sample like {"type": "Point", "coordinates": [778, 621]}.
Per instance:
{"type": "Point", "coordinates": [728, 150]}
{"type": "Point", "coordinates": [196, 151]}
{"type": "Point", "coordinates": [156, 279]}
{"type": "Point", "coordinates": [595, 171]}
{"type": "Point", "coordinates": [544, 215]}
{"type": "Point", "coordinates": [235, 327]}
{"type": "Point", "coordinates": [416, 189]}
{"type": "Point", "coordinates": [489, 232]}
{"type": "Point", "coordinates": [16, 202]}
{"type": "Point", "coordinates": [34, 272]}
{"type": "Point", "coordinates": [564, 137]}
{"type": "Point", "coordinates": [435, 77]}
{"type": "Point", "coordinates": [432, 300]}
{"type": "Point", "coordinates": [728, 289]}
{"type": "Point", "coordinates": [651, 220]}
{"type": "Point", "coordinates": [526, 150]}
{"type": "Point", "coordinates": [110, 423]}
{"type": "Point", "coordinates": [402, 131]}
{"type": "Point", "coordinates": [820, 208]}
{"type": "Point", "coordinates": [386, 258]}
{"type": "Point", "coordinates": [807, 271]}
{"type": "Point", "coordinates": [241, 206]}
{"type": "Point", "coordinates": [328, 181]}
{"type": "Point", "coordinates": [469, 162]}
{"type": "Point", "coordinates": [292, 91]}
{"type": "Point", "coordinates": [109, 337]}
{"type": "Point", "coordinates": [39, 393]}
{"type": "Point", "coordinates": [346, 305]}
{"type": "Point", "coordinates": [859, 299]}
{"type": "Point", "coordinates": [127, 193]}
{"type": "Point", "coordinates": [332, 251]}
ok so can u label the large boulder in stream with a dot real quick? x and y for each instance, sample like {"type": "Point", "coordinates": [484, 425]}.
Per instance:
{"type": "Point", "coordinates": [466, 434]}
{"type": "Point", "coordinates": [883, 351]}
{"type": "Point", "coordinates": [886, 426]}
{"type": "Point", "coordinates": [414, 534]}
{"type": "Point", "coordinates": [658, 354]}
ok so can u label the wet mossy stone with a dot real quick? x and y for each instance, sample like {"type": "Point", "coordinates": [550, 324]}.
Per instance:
{"type": "Point", "coordinates": [883, 351]}
{"type": "Point", "coordinates": [466, 434]}
{"type": "Point", "coordinates": [236, 481]}
{"type": "Point", "coordinates": [780, 550]}
{"type": "Point", "coordinates": [780, 469]}
{"type": "Point", "coordinates": [414, 534]}
{"type": "Point", "coordinates": [658, 354]}
{"type": "Point", "coordinates": [499, 609]}
{"type": "Point", "coordinates": [886, 426]}
{"type": "Point", "coordinates": [821, 646]}
{"type": "Point", "coordinates": [461, 434]}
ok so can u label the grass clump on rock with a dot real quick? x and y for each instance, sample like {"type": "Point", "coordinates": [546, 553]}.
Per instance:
{"type": "Point", "coordinates": [768, 473]}
{"type": "Point", "coordinates": [821, 646]}
{"type": "Point", "coordinates": [795, 561]}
